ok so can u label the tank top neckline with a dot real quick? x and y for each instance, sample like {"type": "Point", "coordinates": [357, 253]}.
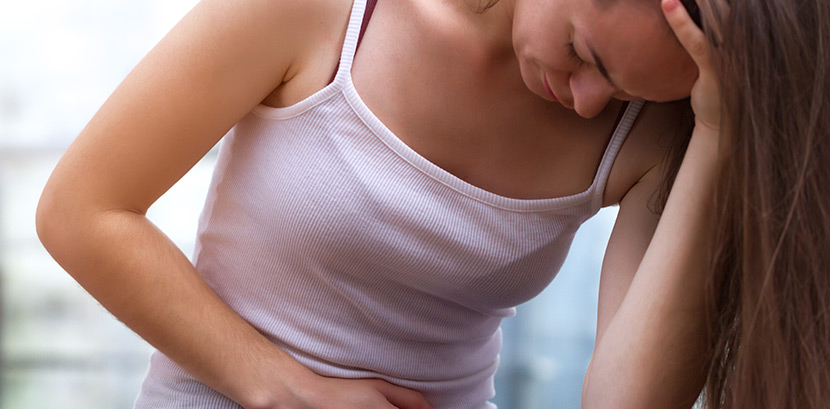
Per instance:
{"type": "Point", "coordinates": [342, 84]}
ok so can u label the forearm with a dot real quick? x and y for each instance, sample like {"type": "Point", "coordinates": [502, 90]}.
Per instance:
{"type": "Point", "coordinates": [140, 276]}
{"type": "Point", "coordinates": [652, 354]}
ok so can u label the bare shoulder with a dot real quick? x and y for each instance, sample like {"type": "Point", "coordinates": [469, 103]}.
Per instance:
{"type": "Point", "coordinates": [316, 18]}
{"type": "Point", "coordinates": [319, 28]}
{"type": "Point", "coordinates": [293, 29]}
{"type": "Point", "coordinates": [296, 19]}
{"type": "Point", "coordinates": [297, 26]}
{"type": "Point", "coordinates": [645, 147]}
{"type": "Point", "coordinates": [221, 60]}
{"type": "Point", "coordinates": [311, 24]}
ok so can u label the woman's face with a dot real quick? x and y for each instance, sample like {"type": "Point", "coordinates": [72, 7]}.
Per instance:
{"type": "Point", "coordinates": [582, 54]}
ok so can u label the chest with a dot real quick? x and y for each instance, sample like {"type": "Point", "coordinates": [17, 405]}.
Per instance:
{"type": "Point", "coordinates": [467, 110]}
{"type": "Point", "coordinates": [355, 209]}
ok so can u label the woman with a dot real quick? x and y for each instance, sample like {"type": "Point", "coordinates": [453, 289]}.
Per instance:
{"type": "Point", "coordinates": [358, 249]}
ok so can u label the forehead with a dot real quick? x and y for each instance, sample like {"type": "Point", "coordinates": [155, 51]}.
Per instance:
{"type": "Point", "coordinates": [638, 49]}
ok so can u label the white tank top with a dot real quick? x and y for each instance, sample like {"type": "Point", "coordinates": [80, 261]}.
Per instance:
{"type": "Point", "coordinates": [360, 258]}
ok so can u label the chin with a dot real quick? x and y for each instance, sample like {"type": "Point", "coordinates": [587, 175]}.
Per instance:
{"type": "Point", "coordinates": [528, 80]}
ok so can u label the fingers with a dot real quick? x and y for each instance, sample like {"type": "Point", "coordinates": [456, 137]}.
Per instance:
{"type": "Point", "coordinates": [687, 32]}
{"type": "Point", "coordinates": [706, 91]}
{"type": "Point", "coordinates": [401, 397]}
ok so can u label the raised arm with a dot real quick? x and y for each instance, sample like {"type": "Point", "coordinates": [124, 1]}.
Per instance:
{"type": "Point", "coordinates": [220, 61]}
{"type": "Point", "coordinates": [651, 344]}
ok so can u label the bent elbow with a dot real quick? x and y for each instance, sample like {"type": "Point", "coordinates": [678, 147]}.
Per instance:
{"type": "Point", "coordinates": [50, 222]}
{"type": "Point", "coordinates": [62, 220]}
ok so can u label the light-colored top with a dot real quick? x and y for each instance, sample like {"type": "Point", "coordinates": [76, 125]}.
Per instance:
{"type": "Point", "coordinates": [360, 258]}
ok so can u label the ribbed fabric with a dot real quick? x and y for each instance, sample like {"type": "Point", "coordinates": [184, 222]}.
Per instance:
{"type": "Point", "coordinates": [361, 258]}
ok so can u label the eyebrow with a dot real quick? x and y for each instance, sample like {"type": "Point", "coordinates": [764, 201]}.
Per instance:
{"type": "Point", "coordinates": [601, 66]}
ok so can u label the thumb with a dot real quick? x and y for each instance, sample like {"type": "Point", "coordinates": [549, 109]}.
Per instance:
{"type": "Point", "coordinates": [402, 398]}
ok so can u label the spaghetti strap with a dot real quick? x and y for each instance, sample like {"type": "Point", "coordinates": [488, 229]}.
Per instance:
{"type": "Point", "coordinates": [367, 15]}
{"type": "Point", "coordinates": [614, 145]}
{"type": "Point", "coordinates": [353, 34]}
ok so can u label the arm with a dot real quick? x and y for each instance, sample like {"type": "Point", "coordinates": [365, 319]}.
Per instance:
{"type": "Point", "coordinates": [651, 347]}
{"type": "Point", "coordinates": [207, 73]}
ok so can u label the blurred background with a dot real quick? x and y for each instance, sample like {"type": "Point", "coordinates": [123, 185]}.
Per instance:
{"type": "Point", "coordinates": [59, 61]}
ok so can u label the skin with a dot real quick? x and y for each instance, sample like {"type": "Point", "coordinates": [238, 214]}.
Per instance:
{"type": "Point", "coordinates": [470, 102]}
{"type": "Point", "coordinates": [640, 58]}
{"type": "Point", "coordinates": [652, 353]}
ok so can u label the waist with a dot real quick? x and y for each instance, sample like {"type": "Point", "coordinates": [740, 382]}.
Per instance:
{"type": "Point", "coordinates": [167, 383]}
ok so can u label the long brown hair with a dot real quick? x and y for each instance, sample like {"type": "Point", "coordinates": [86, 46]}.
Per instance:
{"type": "Point", "coordinates": [769, 295]}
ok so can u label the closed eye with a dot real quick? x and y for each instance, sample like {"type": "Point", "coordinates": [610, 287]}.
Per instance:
{"type": "Point", "coordinates": [574, 56]}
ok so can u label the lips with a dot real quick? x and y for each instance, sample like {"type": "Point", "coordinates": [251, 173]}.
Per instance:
{"type": "Point", "coordinates": [547, 88]}
{"type": "Point", "coordinates": [553, 96]}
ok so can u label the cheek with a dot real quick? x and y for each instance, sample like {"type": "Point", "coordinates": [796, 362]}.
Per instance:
{"type": "Point", "coordinates": [680, 79]}
{"type": "Point", "coordinates": [527, 71]}
{"type": "Point", "coordinates": [535, 66]}
{"type": "Point", "coordinates": [539, 38]}
{"type": "Point", "coordinates": [691, 75]}
{"type": "Point", "coordinates": [663, 79]}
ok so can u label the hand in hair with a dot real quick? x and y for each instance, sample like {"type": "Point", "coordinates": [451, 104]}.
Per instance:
{"type": "Point", "coordinates": [705, 92]}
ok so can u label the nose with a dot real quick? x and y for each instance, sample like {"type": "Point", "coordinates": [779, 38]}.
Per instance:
{"type": "Point", "coordinates": [591, 93]}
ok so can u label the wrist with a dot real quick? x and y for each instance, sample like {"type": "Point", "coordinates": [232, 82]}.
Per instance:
{"type": "Point", "coordinates": [269, 379]}
{"type": "Point", "coordinates": [705, 143]}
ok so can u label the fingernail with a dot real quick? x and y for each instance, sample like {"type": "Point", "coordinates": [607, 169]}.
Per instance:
{"type": "Point", "coordinates": [670, 5]}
